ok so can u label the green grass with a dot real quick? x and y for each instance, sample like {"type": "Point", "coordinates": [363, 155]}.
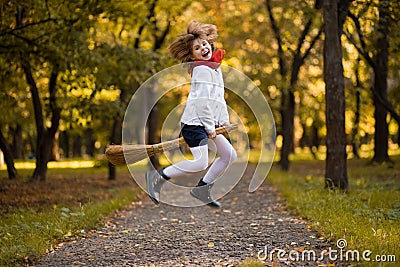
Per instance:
{"type": "Point", "coordinates": [368, 217]}
{"type": "Point", "coordinates": [28, 234]}
{"type": "Point", "coordinates": [36, 216]}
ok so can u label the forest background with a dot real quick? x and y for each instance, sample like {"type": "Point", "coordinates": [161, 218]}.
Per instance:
{"type": "Point", "coordinates": [68, 70]}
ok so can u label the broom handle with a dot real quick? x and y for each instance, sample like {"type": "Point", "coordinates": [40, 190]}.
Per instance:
{"type": "Point", "coordinates": [160, 147]}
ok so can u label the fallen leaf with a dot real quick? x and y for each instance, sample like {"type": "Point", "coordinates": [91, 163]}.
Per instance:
{"type": "Point", "coordinates": [301, 249]}
{"type": "Point", "coordinates": [68, 234]}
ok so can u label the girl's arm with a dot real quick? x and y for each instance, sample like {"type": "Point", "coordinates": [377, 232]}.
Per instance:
{"type": "Point", "coordinates": [224, 118]}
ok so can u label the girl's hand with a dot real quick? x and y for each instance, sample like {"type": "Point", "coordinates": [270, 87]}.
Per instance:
{"type": "Point", "coordinates": [212, 135]}
{"type": "Point", "coordinates": [226, 126]}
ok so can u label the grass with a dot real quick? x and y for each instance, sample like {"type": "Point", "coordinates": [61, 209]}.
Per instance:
{"type": "Point", "coordinates": [37, 216]}
{"type": "Point", "coordinates": [368, 217]}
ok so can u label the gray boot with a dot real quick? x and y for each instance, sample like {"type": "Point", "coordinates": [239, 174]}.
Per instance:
{"type": "Point", "coordinates": [203, 193]}
{"type": "Point", "coordinates": [154, 182]}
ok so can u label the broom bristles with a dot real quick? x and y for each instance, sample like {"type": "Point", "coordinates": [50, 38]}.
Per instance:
{"type": "Point", "coordinates": [120, 155]}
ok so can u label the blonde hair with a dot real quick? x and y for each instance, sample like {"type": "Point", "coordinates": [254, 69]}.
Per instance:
{"type": "Point", "coordinates": [181, 48]}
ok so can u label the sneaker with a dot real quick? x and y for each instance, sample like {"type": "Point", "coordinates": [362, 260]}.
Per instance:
{"type": "Point", "coordinates": [154, 182]}
{"type": "Point", "coordinates": [203, 193]}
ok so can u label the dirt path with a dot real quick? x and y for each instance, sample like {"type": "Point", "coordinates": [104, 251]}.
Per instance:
{"type": "Point", "coordinates": [147, 235]}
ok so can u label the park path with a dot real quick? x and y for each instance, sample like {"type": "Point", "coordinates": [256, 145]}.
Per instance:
{"type": "Point", "coordinates": [149, 235]}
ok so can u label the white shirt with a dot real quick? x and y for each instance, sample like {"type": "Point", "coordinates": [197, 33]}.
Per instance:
{"type": "Point", "coordinates": [206, 104]}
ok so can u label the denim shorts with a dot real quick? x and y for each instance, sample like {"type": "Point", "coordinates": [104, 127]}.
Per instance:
{"type": "Point", "coordinates": [194, 135]}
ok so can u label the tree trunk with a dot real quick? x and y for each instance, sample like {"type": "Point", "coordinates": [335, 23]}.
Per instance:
{"type": "Point", "coordinates": [55, 148]}
{"type": "Point", "coordinates": [314, 145]}
{"type": "Point", "coordinates": [64, 143]}
{"type": "Point", "coordinates": [77, 146]}
{"type": "Point", "coordinates": [380, 85]}
{"type": "Point", "coordinates": [116, 133]}
{"type": "Point", "coordinates": [8, 157]}
{"type": "Point", "coordinates": [42, 157]}
{"type": "Point", "coordinates": [90, 142]}
{"type": "Point", "coordinates": [336, 164]}
{"type": "Point", "coordinates": [152, 123]}
{"type": "Point", "coordinates": [354, 139]}
{"type": "Point", "coordinates": [287, 113]}
{"type": "Point", "coordinates": [153, 137]}
{"type": "Point", "coordinates": [17, 142]}
{"type": "Point", "coordinates": [45, 136]}
{"type": "Point", "coordinates": [115, 138]}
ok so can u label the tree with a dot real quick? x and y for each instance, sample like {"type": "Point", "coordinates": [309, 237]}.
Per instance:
{"type": "Point", "coordinates": [289, 73]}
{"type": "Point", "coordinates": [336, 162]}
{"type": "Point", "coordinates": [14, 114]}
{"type": "Point", "coordinates": [33, 35]}
{"type": "Point", "coordinates": [8, 156]}
{"type": "Point", "coordinates": [376, 54]}
{"type": "Point", "coordinates": [150, 27]}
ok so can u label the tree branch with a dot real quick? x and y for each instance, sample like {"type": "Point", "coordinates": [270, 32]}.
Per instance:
{"type": "Point", "coordinates": [313, 41]}
{"type": "Point", "coordinates": [55, 116]}
{"type": "Point", "coordinates": [21, 27]}
{"type": "Point", "coordinates": [275, 29]}
{"type": "Point", "coordinates": [37, 105]}
{"type": "Point", "coordinates": [363, 53]}
{"type": "Point", "coordinates": [359, 31]}
{"type": "Point", "coordinates": [303, 36]}
{"type": "Point", "coordinates": [141, 27]}
{"type": "Point", "coordinates": [388, 106]}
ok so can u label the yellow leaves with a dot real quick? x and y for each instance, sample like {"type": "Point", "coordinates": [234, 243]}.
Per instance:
{"type": "Point", "coordinates": [210, 244]}
{"type": "Point", "coordinates": [69, 234]}
{"type": "Point", "coordinates": [380, 233]}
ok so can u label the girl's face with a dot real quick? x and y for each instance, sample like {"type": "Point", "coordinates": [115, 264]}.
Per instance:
{"type": "Point", "coordinates": [201, 50]}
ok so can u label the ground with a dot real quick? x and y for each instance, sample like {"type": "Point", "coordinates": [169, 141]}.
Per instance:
{"type": "Point", "coordinates": [248, 225]}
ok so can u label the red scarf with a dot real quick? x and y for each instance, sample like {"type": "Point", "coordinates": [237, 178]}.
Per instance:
{"type": "Point", "coordinates": [214, 62]}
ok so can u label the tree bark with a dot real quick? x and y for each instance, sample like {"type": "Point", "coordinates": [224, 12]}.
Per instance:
{"type": "Point", "coordinates": [55, 148]}
{"type": "Point", "coordinates": [64, 143]}
{"type": "Point", "coordinates": [8, 157]}
{"type": "Point", "coordinates": [380, 85]}
{"type": "Point", "coordinates": [287, 114]}
{"type": "Point", "coordinates": [90, 142]}
{"type": "Point", "coordinates": [354, 139]}
{"type": "Point", "coordinates": [17, 142]}
{"type": "Point", "coordinates": [336, 163]}
{"type": "Point", "coordinates": [115, 138]}
{"type": "Point", "coordinates": [77, 146]}
{"type": "Point", "coordinates": [116, 132]}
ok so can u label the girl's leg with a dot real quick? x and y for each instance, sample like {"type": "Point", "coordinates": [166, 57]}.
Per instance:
{"type": "Point", "coordinates": [227, 155]}
{"type": "Point", "coordinates": [199, 163]}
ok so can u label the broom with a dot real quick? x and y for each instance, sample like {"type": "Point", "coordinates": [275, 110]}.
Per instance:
{"type": "Point", "coordinates": [120, 155]}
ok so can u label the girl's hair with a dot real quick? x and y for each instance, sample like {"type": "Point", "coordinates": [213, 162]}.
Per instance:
{"type": "Point", "coordinates": [181, 48]}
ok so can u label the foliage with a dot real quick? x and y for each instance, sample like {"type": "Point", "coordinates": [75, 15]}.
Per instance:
{"type": "Point", "coordinates": [108, 47]}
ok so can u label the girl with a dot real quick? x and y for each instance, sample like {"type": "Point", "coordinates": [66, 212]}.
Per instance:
{"type": "Point", "coordinates": [204, 111]}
